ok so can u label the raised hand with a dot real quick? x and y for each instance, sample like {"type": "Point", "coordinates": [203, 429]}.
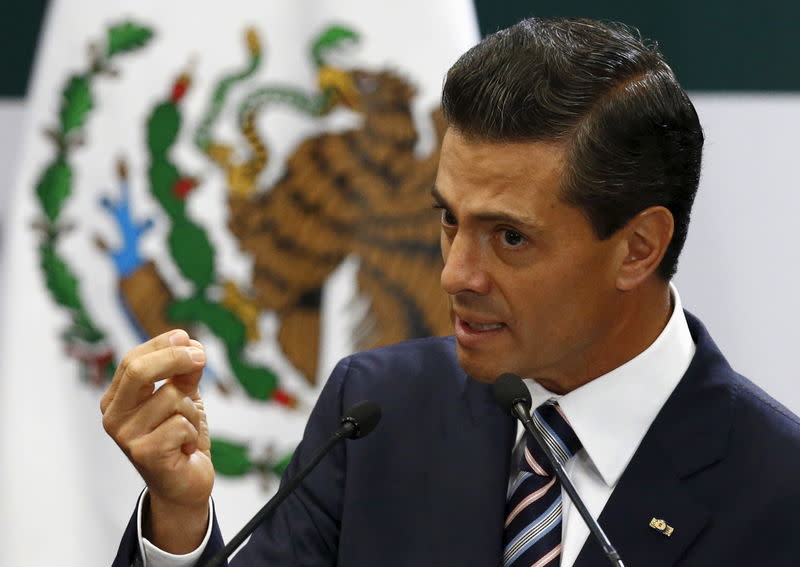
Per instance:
{"type": "Point", "coordinates": [164, 433]}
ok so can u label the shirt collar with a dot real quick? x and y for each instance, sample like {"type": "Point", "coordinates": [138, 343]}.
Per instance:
{"type": "Point", "coordinates": [627, 399]}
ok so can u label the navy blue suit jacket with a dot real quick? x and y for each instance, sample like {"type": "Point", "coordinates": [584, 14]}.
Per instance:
{"type": "Point", "coordinates": [721, 464]}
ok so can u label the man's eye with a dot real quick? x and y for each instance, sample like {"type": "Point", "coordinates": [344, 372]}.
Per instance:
{"type": "Point", "coordinates": [448, 219]}
{"type": "Point", "coordinates": [512, 238]}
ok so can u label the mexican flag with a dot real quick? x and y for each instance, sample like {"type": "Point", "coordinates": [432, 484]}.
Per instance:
{"type": "Point", "coordinates": [153, 136]}
{"type": "Point", "coordinates": [256, 173]}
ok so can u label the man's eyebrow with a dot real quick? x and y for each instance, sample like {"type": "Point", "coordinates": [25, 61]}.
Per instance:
{"type": "Point", "coordinates": [438, 197]}
{"type": "Point", "coordinates": [494, 216]}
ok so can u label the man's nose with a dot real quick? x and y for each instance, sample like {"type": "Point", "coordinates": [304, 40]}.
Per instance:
{"type": "Point", "coordinates": [464, 266]}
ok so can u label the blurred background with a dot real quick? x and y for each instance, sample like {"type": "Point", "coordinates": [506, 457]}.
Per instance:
{"type": "Point", "coordinates": [138, 142]}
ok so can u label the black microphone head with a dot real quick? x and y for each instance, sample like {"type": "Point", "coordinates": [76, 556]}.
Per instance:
{"type": "Point", "coordinates": [509, 390]}
{"type": "Point", "coordinates": [363, 417]}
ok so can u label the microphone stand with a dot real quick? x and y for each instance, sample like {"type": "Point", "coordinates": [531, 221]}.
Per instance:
{"type": "Point", "coordinates": [521, 412]}
{"type": "Point", "coordinates": [346, 430]}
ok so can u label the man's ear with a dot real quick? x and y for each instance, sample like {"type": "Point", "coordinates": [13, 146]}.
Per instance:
{"type": "Point", "coordinates": [646, 238]}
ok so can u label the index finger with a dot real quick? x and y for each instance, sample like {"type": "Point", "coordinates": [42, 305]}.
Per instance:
{"type": "Point", "coordinates": [138, 377]}
{"type": "Point", "coordinates": [175, 337]}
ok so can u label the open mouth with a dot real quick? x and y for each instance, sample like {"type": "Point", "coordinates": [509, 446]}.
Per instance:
{"type": "Point", "coordinates": [472, 333]}
{"type": "Point", "coordinates": [481, 327]}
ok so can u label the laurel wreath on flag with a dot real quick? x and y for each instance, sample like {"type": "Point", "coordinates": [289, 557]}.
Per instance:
{"type": "Point", "coordinates": [55, 187]}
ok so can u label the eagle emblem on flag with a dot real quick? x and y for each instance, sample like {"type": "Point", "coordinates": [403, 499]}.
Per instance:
{"type": "Point", "coordinates": [358, 193]}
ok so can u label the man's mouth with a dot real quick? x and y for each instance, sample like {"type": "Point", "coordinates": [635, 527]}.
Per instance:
{"type": "Point", "coordinates": [483, 326]}
{"type": "Point", "coordinates": [477, 332]}
{"type": "Point", "coordinates": [477, 325]}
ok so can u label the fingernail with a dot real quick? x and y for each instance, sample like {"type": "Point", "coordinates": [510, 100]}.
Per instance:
{"type": "Point", "coordinates": [178, 337]}
{"type": "Point", "coordinates": [196, 354]}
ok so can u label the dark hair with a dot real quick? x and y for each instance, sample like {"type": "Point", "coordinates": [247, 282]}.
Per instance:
{"type": "Point", "coordinates": [632, 136]}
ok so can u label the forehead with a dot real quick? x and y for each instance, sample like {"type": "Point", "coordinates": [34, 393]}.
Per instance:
{"type": "Point", "coordinates": [509, 176]}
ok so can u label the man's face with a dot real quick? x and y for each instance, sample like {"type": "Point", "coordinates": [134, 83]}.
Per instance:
{"type": "Point", "coordinates": [532, 289]}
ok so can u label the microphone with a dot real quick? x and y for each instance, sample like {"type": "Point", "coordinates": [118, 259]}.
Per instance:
{"type": "Point", "coordinates": [356, 422]}
{"type": "Point", "coordinates": [359, 420]}
{"type": "Point", "coordinates": [513, 396]}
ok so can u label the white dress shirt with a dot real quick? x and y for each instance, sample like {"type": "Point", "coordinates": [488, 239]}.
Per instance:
{"type": "Point", "coordinates": [625, 401]}
{"type": "Point", "coordinates": [610, 415]}
{"type": "Point", "coordinates": [155, 557]}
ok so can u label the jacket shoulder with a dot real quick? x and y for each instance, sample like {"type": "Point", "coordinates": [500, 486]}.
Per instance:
{"type": "Point", "coordinates": [759, 415]}
{"type": "Point", "coordinates": [413, 360]}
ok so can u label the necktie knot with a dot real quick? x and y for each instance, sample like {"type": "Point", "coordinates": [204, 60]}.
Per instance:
{"type": "Point", "coordinates": [551, 422]}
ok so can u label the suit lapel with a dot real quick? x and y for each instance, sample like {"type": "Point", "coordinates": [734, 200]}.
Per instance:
{"type": "Point", "coordinates": [469, 476]}
{"type": "Point", "coordinates": [648, 489]}
{"type": "Point", "coordinates": [689, 434]}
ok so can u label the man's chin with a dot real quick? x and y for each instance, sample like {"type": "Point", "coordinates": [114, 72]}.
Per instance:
{"type": "Point", "coordinates": [480, 370]}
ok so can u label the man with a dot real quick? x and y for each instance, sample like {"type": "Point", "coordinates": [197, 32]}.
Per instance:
{"type": "Point", "coordinates": [565, 184]}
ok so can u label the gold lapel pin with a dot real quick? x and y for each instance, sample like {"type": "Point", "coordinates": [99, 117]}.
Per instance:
{"type": "Point", "coordinates": [661, 526]}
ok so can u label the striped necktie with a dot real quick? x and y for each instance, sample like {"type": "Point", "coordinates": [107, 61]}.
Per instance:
{"type": "Point", "coordinates": [532, 536]}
